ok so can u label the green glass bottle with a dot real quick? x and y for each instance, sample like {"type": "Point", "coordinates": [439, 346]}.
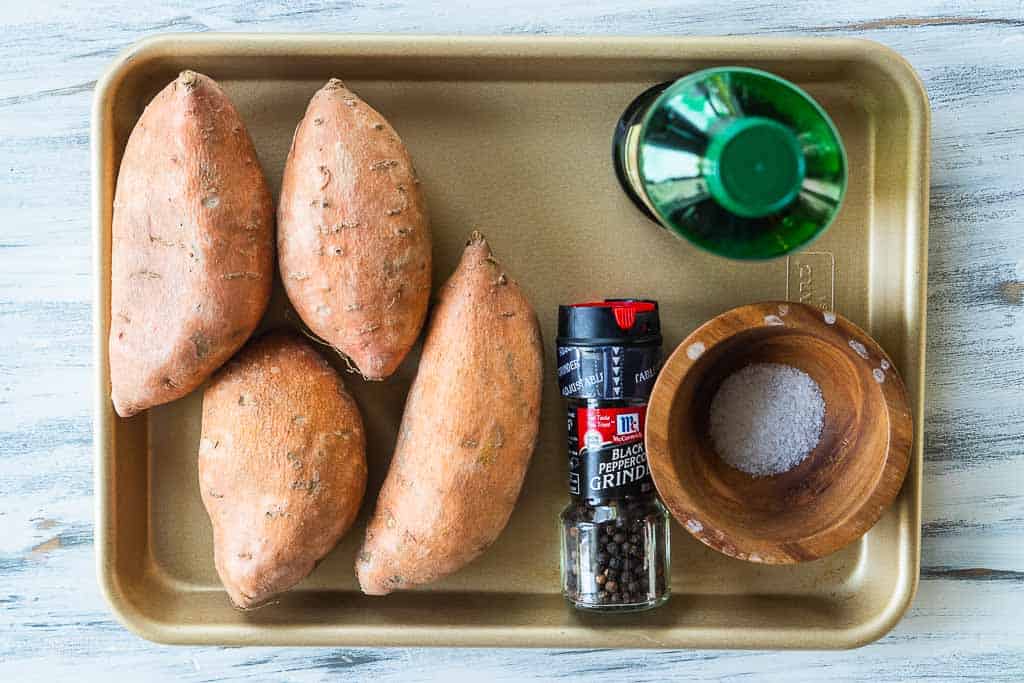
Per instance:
{"type": "Point", "coordinates": [738, 161]}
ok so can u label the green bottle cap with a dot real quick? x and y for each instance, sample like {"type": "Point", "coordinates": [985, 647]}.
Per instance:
{"type": "Point", "coordinates": [754, 166]}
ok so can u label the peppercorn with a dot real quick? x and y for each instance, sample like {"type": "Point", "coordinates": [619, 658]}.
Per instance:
{"type": "Point", "coordinates": [619, 567]}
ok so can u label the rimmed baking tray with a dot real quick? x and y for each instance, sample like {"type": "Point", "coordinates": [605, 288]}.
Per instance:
{"type": "Point", "coordinates": [512, 135]}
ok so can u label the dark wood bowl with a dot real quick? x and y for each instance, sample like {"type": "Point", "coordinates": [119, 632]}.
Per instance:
{"type": "Point", "coordinates": [827, 501]}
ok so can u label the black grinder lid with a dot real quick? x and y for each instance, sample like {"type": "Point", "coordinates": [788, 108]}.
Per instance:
{"type": "Point", "coordinates": [612, 322]}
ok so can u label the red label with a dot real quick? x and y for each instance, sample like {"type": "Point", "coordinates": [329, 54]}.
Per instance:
{"type": "Point", "coordinates": [601, 426]}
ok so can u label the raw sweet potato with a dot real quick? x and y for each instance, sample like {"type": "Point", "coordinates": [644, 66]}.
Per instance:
{"type": "Point", "coordinates": [192, 250]}
{"type": "Point", "coordinates": [282, 465]}
{"type": "Point", "coordinates": [353, 236]}
{"type": "Point", "coordinates": [467, 434]}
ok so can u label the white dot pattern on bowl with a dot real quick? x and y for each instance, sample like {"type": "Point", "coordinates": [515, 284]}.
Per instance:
{"type": "Point", "coordinates": [859, 349]}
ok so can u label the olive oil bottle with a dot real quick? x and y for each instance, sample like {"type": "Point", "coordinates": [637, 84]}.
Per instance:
{"type": "Point", "coordinates": [738, 161]}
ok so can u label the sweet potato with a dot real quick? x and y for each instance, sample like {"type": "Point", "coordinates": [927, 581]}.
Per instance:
{"type": "Point", "coordinates": [192, 249]}
{"type": "Point", "coordinates": [353, 235]}
{"type": "Point", "coordinates": [282, 465]}
{"type": "Point", "coordinates": [469, 428]}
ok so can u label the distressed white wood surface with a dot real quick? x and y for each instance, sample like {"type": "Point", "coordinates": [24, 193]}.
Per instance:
{"type": "Point", "coordinates": [966, 621]}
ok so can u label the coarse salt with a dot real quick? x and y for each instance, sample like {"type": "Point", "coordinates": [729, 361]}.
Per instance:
{"type": "Point", "coordinates": [766, 418]}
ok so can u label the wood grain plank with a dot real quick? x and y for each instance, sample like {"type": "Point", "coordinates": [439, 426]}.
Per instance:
{"type": "Point", "coordinates": [965, 622]}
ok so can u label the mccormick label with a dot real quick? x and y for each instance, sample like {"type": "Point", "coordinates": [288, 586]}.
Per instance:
{"type": "Point", "coordinates": [607, 456]}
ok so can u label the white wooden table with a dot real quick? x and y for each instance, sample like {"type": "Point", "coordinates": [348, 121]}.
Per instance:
{"type": "Point", "coordinates": [967, 619]}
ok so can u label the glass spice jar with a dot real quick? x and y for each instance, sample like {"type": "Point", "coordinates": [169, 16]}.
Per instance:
{"type": "Point", "coordinates": [615, 532]}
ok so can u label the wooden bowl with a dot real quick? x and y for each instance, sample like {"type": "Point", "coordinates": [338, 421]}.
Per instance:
{"type": "Point", "coordinates": [827, 501]}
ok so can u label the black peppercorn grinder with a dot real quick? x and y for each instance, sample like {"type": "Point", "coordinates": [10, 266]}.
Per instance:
{"type": "Point", "coordinates": [615, 532]}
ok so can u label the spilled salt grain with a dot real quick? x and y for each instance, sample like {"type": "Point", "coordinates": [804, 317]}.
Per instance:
{"type": "Point", "coordinates": [766, 418]}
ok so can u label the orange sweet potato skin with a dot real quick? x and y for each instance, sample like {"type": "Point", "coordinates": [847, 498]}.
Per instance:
{"type": "Point", "coordinates": [282, 465]}
{"type": "Point", "coordinates": [353, 235]}
{"type": "Point", "coordinates": [192, 247]}
{"type": "Point", "coordinates": [469, 428]}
